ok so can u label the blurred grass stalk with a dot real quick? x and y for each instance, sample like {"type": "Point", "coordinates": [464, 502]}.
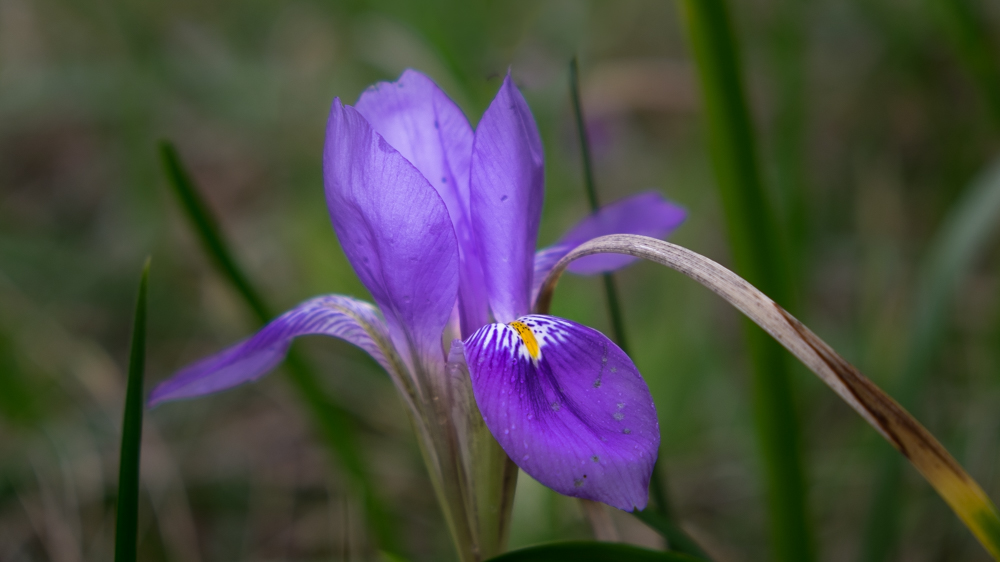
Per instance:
{"type": "Point", "coordinates": [337, 426]}
{"type": "Point", "coordinates": [787, 54]}
{"type": "Point", "coordinates": [963, 237]}
{"type": "Point", "coordinates": [660, 516]}
{"type": "Point", "coordinates": [127, 513]}
{"type": "Point", "coordinates": [758, 258]}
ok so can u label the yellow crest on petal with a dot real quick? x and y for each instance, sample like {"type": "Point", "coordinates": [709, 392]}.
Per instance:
{"type": "Point", "coordinates": [527, 336]}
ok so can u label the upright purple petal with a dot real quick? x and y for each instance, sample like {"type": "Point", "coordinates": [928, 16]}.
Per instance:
{"type": "Point", "coordinates": [343, 317]}
{"type": "Point", "coordinates": [507, 183]}
{"type": "Point", "coordinates": [394, 229]}
{"type": "Point", "coordinates": [568, 406]}
{"type": "Point", "coordinates": [421, 122]}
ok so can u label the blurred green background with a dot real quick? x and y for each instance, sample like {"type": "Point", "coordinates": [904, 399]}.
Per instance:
{"type": "Point", "coordinates": [872, 120]}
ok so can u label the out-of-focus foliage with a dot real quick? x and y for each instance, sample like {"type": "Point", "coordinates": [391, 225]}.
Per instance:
{"type": "Point", "coordinates": [893, 128]}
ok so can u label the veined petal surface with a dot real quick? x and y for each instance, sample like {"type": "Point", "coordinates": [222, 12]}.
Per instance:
{"type": "Point", "coordinates": [333, 315]}
{"type": "Point", "coordinates": [421, 122]}
{"type": "Point", "coordinates": [394, 229]}
{"type": "Point", "coordinates": [646, 214]}
{"type": "Point", "coordinates": [506, 189]}
{"type": "Point", "coordinates": [568, 406]}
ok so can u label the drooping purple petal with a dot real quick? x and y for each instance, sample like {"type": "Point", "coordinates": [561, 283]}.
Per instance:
{"type": "Point", "coordinates": [506, 188]}
{"type": "Point", "coordinates": [394, 229]}
{"type": "Point", "coordinates": [333, 315]}
{"type": "Point", "coordinates": [421, 122]}
{"type": "Point", "coordinates": [646, 214]}
{"type": "Point", "coordinates": [568, 406]}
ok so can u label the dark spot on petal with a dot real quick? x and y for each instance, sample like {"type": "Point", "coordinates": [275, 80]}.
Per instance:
{"type": "Point", "coordinates": [555, 406]}
{"type": "Point", "coordinates": [619, 416]}
{"type": "Point", "coordinates": [597, 383]}
{"type": "Point", "coordinates": [579, 481]}
{"type": "Point", "coordinates": [626, 431]}
{"type": "Point", "coordinates": [595, 458]}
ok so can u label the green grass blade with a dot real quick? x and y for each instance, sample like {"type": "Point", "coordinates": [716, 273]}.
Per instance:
{"type": "Point", "coordinates": [338, 427]}
{"type": "Point", "coordinates": [589, 551]}
{"type": "Point", "coordinates": [208, 230]}
{"type": "Point", "coordinates": [677, 539]}
{"type": "Point", "coordinates": [657, 487]}
{"type": "Point", "coordinates": [789, 124]}
{"type": "Point", "coordinates": [757, 254]}
{"type": "Point", "coordinates": [967, 230]}
{"type": "Point", "coordinates": [610, 291]}
{"type": "Point", "coordinates": [127, 517]}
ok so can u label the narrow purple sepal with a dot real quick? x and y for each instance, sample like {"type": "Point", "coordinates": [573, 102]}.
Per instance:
{"type": "Point", "coordinates": [428, 129]}
{"type": "Point", "coordinates": [343, 317]}
{"type": "Point", "coordinates": [394, 229]}
{"type": "Point", "coordinates": [506, 188]}
{"type": "Point", "coordinates": [576, 416]}
{"type": "Point", "coordinates": [646, 214]}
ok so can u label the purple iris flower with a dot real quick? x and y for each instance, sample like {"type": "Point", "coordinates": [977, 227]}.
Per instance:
{"type": "Point", "coordinates": [439, 222]}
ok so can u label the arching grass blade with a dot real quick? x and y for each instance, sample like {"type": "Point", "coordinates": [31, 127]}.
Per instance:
{"type": "Point", "coordinates": [127, 516]}
{"type": "Point", "coordinates": [963, 236]}
{"type": "Point", "coordinates": [963, 494]}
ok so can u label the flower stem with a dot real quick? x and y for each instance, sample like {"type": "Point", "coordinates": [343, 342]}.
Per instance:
{"type": "Point", "coordinates": [657, 487]}
{"type": "Point", "coordinates": [757, 255]}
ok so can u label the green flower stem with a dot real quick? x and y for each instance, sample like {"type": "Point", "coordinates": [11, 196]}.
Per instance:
{"type": "Point", "coordinates": [660, 517]}
{"type": "Point", "coordinates": [337, 426]}
{"type": "Point", "coordinates": [127, 516]}
{"type": "Point", "coordinates": [757, 256]}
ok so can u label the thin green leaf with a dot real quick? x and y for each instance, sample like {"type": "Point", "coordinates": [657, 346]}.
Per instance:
{"type": "Point", "coordinates": [657, 487]}
{"type": "Point", "coordinates": [677, 539]}
{"type": "Point", "coordinates": [126, 530]}
{"type": "Point", "coordinates": [590, 551]}
{"type": "Point", "coordinates": [337, 426]}
{"type": "Point", "coordinates": [967, 230]}
{"type": "Point", "coordinates": [757, 253]}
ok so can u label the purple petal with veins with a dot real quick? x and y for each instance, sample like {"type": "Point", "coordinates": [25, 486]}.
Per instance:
{"type": "Point", "coordinates": [421, 122]}
{"type": "Point", "coordinates": [395, 230]}
{"type": "Point", "coordinates": [333, 315]}
{"type": "Point", "coordinates": [507, 183]}
{"type": "Point", "coordinates": [568, 406]}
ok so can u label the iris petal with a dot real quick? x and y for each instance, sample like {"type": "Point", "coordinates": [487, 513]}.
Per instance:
{"type": "Point", "coordinates": [568, 406]}
{"type": "Point", "coordinates": [343, 317]}
{"type": "Point", "coordinates": [506, 190]}
{"type": "Point", "coordinates": [421, 122]}
{"type": "Point", "coordinates": [646, 214]}
{"type": "Point", "coordinates": [394, 229]}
